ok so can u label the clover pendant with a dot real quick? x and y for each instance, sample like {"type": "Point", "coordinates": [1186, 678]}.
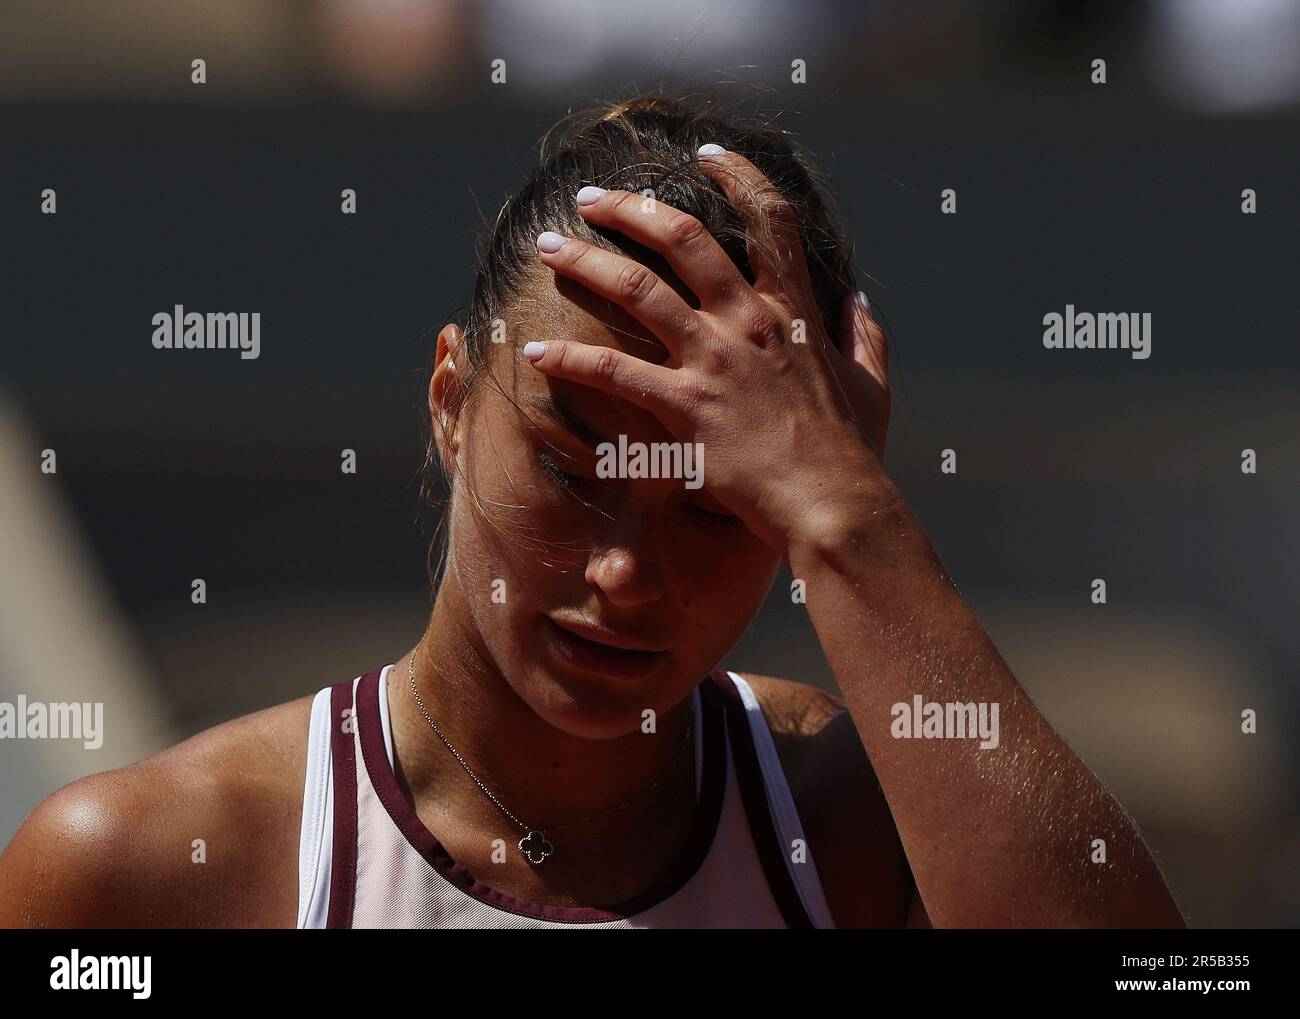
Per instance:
{"type": "Point", "coordinates": [535, 847]}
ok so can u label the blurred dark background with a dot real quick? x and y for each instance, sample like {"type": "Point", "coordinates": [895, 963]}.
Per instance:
{"type": "Point", "coordinates": [1072, 464]}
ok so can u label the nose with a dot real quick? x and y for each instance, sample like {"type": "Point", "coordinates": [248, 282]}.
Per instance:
{"type": "Point", "coordinates": [629, 569]}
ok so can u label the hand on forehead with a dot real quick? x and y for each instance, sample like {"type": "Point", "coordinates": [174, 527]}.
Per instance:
{"type": "Point", "coordinates": [560, 308]}
{"type": "Point", "coordinates": [592, 319]}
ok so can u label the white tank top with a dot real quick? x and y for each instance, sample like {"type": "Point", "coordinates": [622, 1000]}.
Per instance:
{"type": "Point", "coordinates": [366, 860]}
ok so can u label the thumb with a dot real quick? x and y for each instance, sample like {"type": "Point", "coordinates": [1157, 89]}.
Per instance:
{"type": "Point", "coordinates": [861, 340]}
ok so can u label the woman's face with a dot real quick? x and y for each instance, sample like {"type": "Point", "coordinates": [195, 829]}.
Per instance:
{"type": "Point", "coordinates": [652, 564]}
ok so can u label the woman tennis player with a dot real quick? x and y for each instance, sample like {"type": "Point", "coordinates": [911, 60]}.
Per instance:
{"type": "Point", "coordinates": [665, 386]}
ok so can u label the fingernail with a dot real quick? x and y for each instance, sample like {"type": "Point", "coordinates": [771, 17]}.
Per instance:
{"type": "Point", "coordinates": [710, 149]}
{"type": "Point", "coordinates": [861, 296]}
{"type": "Point", "coordinates": [550, 242]}
{"type": "Point", "coordinates": [533, 350]}
{"type": "Point", "coordinates": [588, 195]}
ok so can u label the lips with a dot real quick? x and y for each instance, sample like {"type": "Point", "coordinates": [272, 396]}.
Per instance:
{"type": "Point", "coordinates": [602, 635]}
{"type": "Point", "coordinates": [593, 649]}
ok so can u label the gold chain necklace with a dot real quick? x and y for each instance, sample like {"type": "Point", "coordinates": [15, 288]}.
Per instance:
{"type": "Point", "coordinates": [534, 845]}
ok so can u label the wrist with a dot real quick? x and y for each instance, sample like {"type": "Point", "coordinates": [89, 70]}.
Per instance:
{"type": "Point", "coordinates": [864, 511]}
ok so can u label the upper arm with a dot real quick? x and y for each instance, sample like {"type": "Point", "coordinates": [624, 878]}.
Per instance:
{"type": "Point", "coordinates": [139, 847]}
{"type": "Point", "coordinates": [203, 834]}
{"type": "Point", "coordinates": [72, 859]}
{"type": "Point", "coordinates": [859, 855]}
{"type": "Point", "coordinates": [917, 917]}
{"type": "Point", "coordinates": [850, 830]}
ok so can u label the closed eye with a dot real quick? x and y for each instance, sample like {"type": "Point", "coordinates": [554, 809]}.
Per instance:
{"type": "Point", "coordinates": [553, 471]}
{"type": "Point", "coordinates": [722, 519]}
{"type": "Point", "coordinates": [563, 479]}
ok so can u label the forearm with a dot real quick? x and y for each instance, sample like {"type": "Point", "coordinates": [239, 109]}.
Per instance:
{"type": "Point", "coordinates": [996, 836]}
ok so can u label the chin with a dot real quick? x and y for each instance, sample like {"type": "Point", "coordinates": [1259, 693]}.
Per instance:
{"type": "Point", "coordinates": [594, 706]}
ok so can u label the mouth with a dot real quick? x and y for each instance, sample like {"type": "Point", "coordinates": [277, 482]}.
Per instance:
{"type": "Point", "coordinates": [591, 651]}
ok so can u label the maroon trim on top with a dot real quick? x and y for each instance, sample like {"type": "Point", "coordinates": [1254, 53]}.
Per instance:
{"type": "Point", "coordinates": [703, 828]}
{"type": "Point", "coordinates": [749, 775]}
{"type": "Point", "coordinates": [343, 860]}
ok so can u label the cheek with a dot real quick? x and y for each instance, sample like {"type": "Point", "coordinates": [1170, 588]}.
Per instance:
{"type": "Point", "coordinates": [717, 607]}
{"type": "Point", "coordinates": [507, 526]}
{"type": "Point", "coordinates": [724, 575]}
{"type": "Point", "coordinates": [486, 531]}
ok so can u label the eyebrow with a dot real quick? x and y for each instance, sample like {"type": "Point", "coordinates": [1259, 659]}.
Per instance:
{"type": "Point", "coordinates": [563, 417]}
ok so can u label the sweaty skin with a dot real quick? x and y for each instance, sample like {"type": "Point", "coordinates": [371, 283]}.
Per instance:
{"type": "Point", "coordinates": [919, 832]}
{"type": "Point", "coordinates": [993, 838]}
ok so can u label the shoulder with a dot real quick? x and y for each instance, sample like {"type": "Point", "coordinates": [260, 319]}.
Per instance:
{"type": "Point", "coordinates": [799, 717]}
{"type": "Point", "coordinates": [792, 709]}
{"type": "Point", "coordinates": [850, 830]}
{"type": "Point", "coordinates": [203, 833]}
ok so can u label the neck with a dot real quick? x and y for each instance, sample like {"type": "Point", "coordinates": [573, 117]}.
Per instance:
{"type": "Point", "coordinates": [544, 776]}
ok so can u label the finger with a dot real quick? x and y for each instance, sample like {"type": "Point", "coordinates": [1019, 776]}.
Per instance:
{"type": "Point", "coordinates": [647, 385]}
{"type": "Point", "coordinates": [861, 340]}
{"type": "Point", "coordinates": [693, 252]}
{"type": "Point", "coordinates": [630, 284]}
{"type": "Point", "coordinates": [773, 241]}
{"type": "Point", "coordinates": [862, 343]}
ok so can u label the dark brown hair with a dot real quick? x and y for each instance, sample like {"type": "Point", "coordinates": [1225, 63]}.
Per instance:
{"type": "Point", "coordinates": [646, 142]}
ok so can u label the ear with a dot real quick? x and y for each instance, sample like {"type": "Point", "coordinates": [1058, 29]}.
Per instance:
{"type": "Point", "coordinates": [444, 386]}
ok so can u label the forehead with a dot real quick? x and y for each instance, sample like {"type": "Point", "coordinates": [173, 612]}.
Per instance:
{"type": "Point", "coordinates": [565, 309]}
{"type": "Point", "coordinates": [557, 308]}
